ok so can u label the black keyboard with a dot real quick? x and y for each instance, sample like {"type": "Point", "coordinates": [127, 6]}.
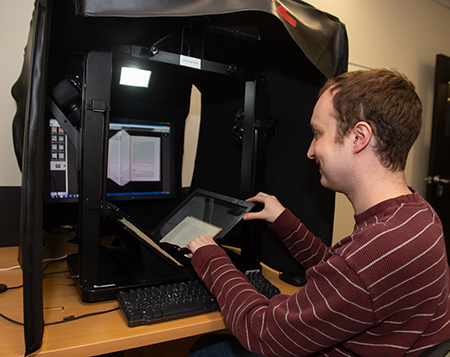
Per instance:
{"type": "Point", "coordinates": [143, 306]}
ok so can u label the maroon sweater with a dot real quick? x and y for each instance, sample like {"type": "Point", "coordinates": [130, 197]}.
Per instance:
{"type": "Point", "coordinates": [383, 291]}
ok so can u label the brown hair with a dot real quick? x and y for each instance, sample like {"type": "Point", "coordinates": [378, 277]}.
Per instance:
{"type": "Point", "coordinates": [384, 99]}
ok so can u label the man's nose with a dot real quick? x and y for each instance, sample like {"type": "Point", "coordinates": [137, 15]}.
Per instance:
{"type": "Point", "coordinates": [310, 153]}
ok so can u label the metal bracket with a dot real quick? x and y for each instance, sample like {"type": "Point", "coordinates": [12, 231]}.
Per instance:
{"type": "Point", "coordinates": [99, 106]}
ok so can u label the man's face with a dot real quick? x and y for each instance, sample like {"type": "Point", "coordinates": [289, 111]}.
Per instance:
{"type": "Point", "coordinates": [330, 155]}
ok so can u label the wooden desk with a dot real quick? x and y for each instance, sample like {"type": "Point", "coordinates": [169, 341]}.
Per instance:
{"type": "Point", "coordinates": [94, 335]}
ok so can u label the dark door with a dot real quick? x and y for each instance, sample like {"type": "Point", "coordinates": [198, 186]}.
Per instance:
{"type": "Point", "coordinates": [438, 191]}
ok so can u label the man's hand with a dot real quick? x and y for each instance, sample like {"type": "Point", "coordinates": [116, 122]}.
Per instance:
{"type": "Point", "coordinates": [272, 208]}
{"type": "Point", "coordinates": [200, 242]}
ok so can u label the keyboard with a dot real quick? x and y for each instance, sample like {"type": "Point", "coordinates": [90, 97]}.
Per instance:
{"type": "Point", "coordinates": [148, 305]}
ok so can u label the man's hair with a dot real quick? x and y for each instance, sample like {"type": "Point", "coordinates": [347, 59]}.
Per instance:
{"type": "Point", "coordinates": [384, 99]}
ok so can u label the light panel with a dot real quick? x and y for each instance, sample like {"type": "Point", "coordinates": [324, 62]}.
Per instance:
{"type": "Point", "coordinates": [134, 77]}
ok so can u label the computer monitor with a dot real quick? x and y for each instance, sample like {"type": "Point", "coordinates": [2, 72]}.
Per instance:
{"type": "Point", "coordinates": [141, 156]}
{"type": "Point", "coordinates": [140, 160]}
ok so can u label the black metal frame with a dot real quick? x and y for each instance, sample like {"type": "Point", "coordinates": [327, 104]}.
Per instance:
{"type": "Point", "coordinates": [95, 118]}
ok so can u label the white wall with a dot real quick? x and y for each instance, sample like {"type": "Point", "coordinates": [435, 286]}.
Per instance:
{"type": "Point", "coordinates": [403, 34]}
{"type": "Point", "coordinates": [15, 19]}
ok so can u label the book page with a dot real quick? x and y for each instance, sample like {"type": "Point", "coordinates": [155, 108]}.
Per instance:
{"type": "Point", "coordinates": [119, 158]}
{"type": "Point", "coordinates": [189, 229]}
{"type": "Point", "coordinates": [134, 158]}
{"type": "Point", "coordinates": [145, 158]}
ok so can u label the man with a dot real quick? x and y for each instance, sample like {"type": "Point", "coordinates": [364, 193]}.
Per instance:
{"type": "Point", "coordinates": [382, 291]}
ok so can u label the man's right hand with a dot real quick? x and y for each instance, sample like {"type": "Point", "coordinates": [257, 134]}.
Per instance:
{"type": "Point", "coordinates": [272, 208]}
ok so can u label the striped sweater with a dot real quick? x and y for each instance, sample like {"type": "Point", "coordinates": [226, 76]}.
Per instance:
{"type": "Point", "coordinates": [383, 291]}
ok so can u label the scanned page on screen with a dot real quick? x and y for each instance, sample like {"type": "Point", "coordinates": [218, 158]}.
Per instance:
{"type": "Point", "coordinates": [189, 229]}
{"type": "Point", "coordinates": [134, 158]}
{"type": "Point", "coordinates": [119, 158]}
{"type": "Point", "coordinates": [145, 161]}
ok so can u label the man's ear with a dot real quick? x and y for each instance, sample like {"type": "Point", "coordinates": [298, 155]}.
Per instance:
{"type": "Point", "coordinates": [361, 135]}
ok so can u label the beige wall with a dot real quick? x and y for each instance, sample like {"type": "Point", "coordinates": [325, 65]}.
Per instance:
{"type": "Point", "coordinates": [403, 34]}
{"type": "Point", "coordinates": [15, 19]}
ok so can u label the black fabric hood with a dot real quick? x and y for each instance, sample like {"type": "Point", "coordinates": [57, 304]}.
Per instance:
{"type": "Point", "coordinates": [321, 36]}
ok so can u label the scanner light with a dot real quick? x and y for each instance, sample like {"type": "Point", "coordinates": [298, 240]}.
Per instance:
{"type": "Point", "coordinates": [134, 77]}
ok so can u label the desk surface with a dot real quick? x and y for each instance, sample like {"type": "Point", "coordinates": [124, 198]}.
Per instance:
{"type": "Point", "coordinates": [92, 335]}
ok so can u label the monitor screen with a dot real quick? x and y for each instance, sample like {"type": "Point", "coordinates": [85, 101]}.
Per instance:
{"type": "Point", "coordinates": [141, 157]}
{"type": "Point", "coordinates": [62, 176]}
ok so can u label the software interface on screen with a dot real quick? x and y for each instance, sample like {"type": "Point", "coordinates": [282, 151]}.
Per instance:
{"type": "Point", "coordinates": [140, 161]}
{"type": "Point", "coordinates": [63, 175]}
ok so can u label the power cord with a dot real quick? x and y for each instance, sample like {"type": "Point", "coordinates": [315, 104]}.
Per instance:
{"type": "Point", "coordinates": [51, 260]}
{"type": "Point", "coordinates": [73, 318]}
{"type": "Point", "coordinates": [11, 320]}
{"type": "Point", "coordinates": [60, 276]}
{"type": "Point", "coordinates": [65, 319]}
{"type": "Point", "coordinates": [4, 288]}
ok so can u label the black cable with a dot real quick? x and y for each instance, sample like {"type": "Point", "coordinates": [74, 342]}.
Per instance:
{"type": "Point", "coordinates": [11, 320]}
{"type": "Point", "coordinates": [73, 318]}
{"type": "Point", "coordinates": [65, 319]}
{"type": "Point", "coordinates": [14, 287]}
{"type": "Point", "coordinates": [55, 272]}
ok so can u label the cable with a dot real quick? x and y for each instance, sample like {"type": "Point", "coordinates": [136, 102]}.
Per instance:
{"type": "Point", "coordinates": [73, 318]}
{"type": "Point", "coordinates": [55, 259]}
{"type": "Point", "coordinates": [6, 269]}
{"type": "Point", "coordinates": [65, 319]}
{"type": "Point", "coordinates": [14, 287]}
{"type": "Point", "coordinates": [51, 260]}
{"type": "Point", "coordinates": [55, 272]}
{"type": "Point", "coordinates": [11, 320]}
{"type": "Point", "coordinates": [60, 276]}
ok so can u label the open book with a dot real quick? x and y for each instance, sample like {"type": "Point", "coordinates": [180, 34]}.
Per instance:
{"type": "Point", "coordinates": [189, 229]}
{"type": "Point", "coordinates": [202, 213]}
{"type": "Point", "coordinates": [133, 158]}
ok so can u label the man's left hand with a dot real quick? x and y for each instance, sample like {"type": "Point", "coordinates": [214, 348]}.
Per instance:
{"type": "Point", "coordinates": [200, 242]}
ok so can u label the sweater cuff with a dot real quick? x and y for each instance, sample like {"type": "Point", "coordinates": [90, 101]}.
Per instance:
{"type": "Point", "coordinates": [204, 255]}
{"type": "Point", "coordinates": [285, 223]}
